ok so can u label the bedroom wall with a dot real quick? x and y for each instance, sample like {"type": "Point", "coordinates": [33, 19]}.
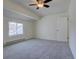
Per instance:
{"type": "Point", "coordinates": [28, 30]}
{"type": "Point", "coordinates": [72, 27]}
{"type": "Point", "coordinates": [47, 27]}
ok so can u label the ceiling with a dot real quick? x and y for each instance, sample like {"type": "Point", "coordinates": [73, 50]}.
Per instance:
{"type": "Point", "coordinates": [15, 15]}
{"type": "Point", "coordinates": [56, 6]}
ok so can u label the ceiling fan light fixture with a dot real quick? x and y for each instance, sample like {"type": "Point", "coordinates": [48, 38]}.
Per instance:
{"type": "Point", "coordinates": [40, 5]}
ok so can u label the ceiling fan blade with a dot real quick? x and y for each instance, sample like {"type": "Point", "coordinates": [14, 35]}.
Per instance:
{"type": "Point", "coordinates": [37, 8]}
{"type": "Point", "coordinates": [32, 4]}
{"type": "Point", "coordinates": [46, 6]}
{"type": "Point", "coordinates": [46, 1]}
{"type": "Point", "coordinates": [37, 0]}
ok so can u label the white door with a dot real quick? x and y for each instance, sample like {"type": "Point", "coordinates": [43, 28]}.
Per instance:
{"type": "Point", "coordinates": [61, 29]}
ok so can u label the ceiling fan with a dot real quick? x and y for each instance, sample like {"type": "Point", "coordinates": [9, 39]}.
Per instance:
{"type": "Point", "coordinates": [41, 3]}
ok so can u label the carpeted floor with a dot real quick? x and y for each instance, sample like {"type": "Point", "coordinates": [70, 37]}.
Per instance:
{"type": "Point", "coordinates": [38, 49]}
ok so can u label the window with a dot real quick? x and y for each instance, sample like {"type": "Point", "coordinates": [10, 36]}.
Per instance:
{"type": "Point", "coordinates": [19, 28]}
{"type": "Point", "coordinates": [12, 28]}
{"type": "Point", "coordinates": [15, 28]}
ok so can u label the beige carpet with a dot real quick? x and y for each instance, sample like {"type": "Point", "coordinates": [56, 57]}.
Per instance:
{"type": "Point", "coordinates": [38, 49]}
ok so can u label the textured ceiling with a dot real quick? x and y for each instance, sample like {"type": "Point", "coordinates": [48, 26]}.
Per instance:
{"type": "Point", "coordinates": [56, 6]}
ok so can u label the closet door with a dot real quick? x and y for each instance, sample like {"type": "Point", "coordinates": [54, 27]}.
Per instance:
{"type": "Point", "coordinates": [61, 29]}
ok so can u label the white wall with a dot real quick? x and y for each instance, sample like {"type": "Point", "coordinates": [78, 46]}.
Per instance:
{"type": "Point", "coordinates": [28, 30]}
{"type": "Point", "coordinates": [48, 26]}
{"type": "Point", "coordinates": [45, 28]}
{"type": "Point", "coordinates": [72, 27]}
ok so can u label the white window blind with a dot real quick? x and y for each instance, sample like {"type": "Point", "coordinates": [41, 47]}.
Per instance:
{"type": "Point", "coordinates": [15, 28]}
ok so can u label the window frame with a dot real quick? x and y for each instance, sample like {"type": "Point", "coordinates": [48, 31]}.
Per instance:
{"type": "Point", "coordinates": [15, 31]}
